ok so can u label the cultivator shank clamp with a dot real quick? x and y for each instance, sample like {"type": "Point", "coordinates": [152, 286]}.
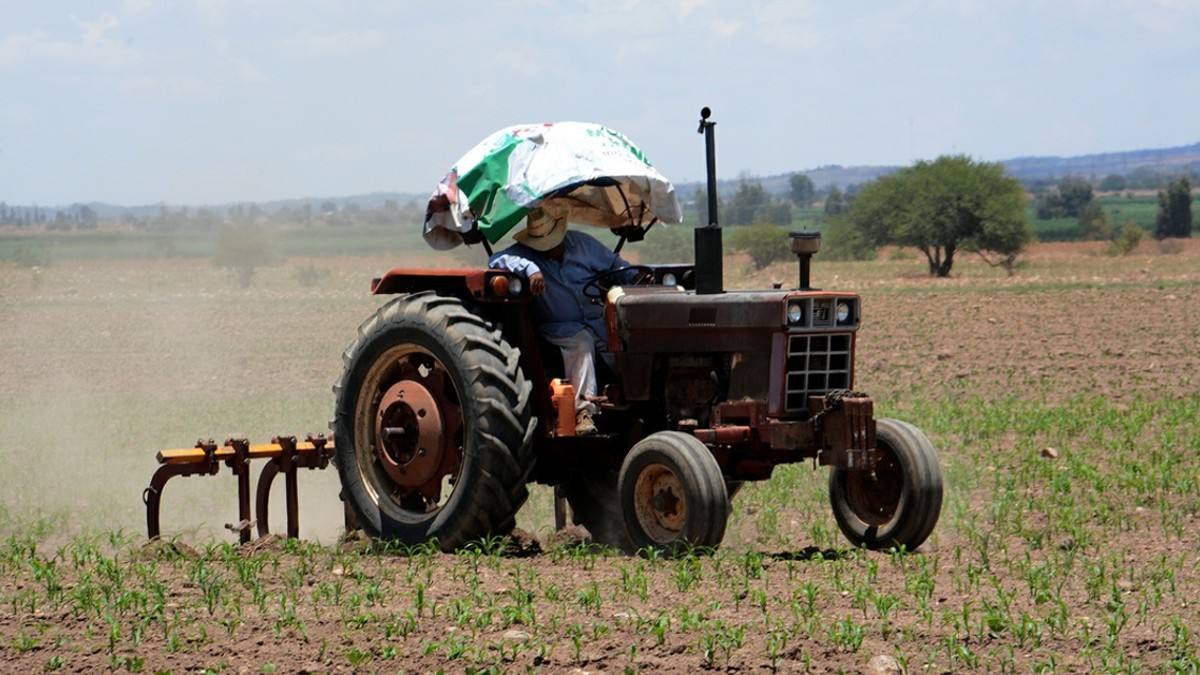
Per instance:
{"type": "Point", "coordinates": [283, 454]}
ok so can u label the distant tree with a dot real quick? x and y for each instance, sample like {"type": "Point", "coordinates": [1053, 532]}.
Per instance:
{"type": "Point", "coordinates": [802, 191]}
{"type": "Point", "coordinates": [205, 218]}
{"type": "Point", "coordinates": [88, 218]}
{"type": "Point", "coordinates": [843, 241]}
{"type": "Point", "coordinates": [765, 244]}
{"type": "Point", "coordinates": [1144, 178]}
{"type": "Point", "coordinates": [1093, 222]}
{"type": "Point", "coordinates": [775, 213]}
{"type": "Point", "coordinates": [1174, 218]}
{"type": "Point", "coordinates": [243, 249]}
{"type": "Point", "coordinates": [944, 206]}
{"type": "Point", "coordinates": [1124, 239]}
{"type": "Point", "coordinates": [1112, 183]}
{"type": "Point", "coordinates": [701, 203]}
{"type": "Point", "coordinates": [749, 198]}
{"type": "Point", "coordinates": [412, 213]}
{"type": "Point", "coordinates": [836, 202]}
{"type": "Point", "coordinates": [1072, 194]}
{"type": "Point", "coordinates": [61, 221]}
{"type": "Point", "coordinates": [667, 244]}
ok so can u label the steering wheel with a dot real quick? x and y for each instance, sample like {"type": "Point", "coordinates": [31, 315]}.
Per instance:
{"type": "Point", "coordinates": [596, 287]}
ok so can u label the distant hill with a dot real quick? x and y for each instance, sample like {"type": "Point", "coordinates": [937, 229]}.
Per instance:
{"type": "Point", "coordinates": [372, 200]}
{"type": "Point", "coordinates": [1099, 166]}
{"type": "Point", "coordinates": [1026, 169]}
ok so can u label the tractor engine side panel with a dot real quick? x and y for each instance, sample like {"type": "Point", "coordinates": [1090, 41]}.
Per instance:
{"type": "Point", "coordinates": [758, 354]}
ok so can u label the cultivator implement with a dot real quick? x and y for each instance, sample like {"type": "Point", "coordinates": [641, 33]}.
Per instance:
{"type": "Point", "coordinates": [283, 454]}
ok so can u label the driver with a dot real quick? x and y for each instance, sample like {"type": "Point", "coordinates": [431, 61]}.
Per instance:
{"type": "Point", "coordinates": [558, 263]}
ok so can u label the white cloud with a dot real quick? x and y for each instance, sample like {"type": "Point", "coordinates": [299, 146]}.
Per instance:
{"type": "Point", "coordinates": [522, 62]}
{"type": "Point", "coordinates": [1178, 5]}
{"type": "Point", "coordinates": [137, 6]}
{"type": "Point", "coordinates": [168, 87]}
{"type": "Point", "coordinates": [684, 8]}
{"type": "Point", "coordinates": [244, 68]}
{"type": "Point", "coordinates": [785, 24]}
{"type": "Point", "coordinates": [723, 28]}
{"type": "Point", "coordinates": [94, 47]}
{"type": "Point", "coordinates": [1165, 16]}
{"type": "Point", "coordinates": [340, 43]}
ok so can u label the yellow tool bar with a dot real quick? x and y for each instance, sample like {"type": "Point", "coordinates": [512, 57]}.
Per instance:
{"type": "Point", "coordinates": [224, 452]}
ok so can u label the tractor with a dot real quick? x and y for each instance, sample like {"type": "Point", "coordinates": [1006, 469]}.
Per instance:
{"type": "Point", "coordinates": [450, 404]}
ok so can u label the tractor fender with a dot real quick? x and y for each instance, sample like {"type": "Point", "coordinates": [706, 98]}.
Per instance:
{"type": "Point", "coordinates": [466, 284]}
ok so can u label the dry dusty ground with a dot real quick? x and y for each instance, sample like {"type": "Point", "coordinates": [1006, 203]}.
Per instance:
{"type": "Point", "coordinates": [105, 363]}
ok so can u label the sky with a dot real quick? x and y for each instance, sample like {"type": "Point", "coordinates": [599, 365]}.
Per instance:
{"type": "Point", "coordinates": [193, 102]}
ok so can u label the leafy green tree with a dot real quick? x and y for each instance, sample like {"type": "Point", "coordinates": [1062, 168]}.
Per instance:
{"type": "Point", "coordinates": [775, 213]}
{"type": "Point", "coordinates": [746, 203]}
{"type": "Point", "coordinates": [701, 201]}
{"type": "Point", "coordinates": [1124, 239]}
{"type": "Point", "coordinates": [803, 193]}
{"type": "Point", "coordinates": [836, 202]}
{"type": "Point", "coordinates": [243, 249]}
{"type": "Point", "coordinates": [1174, 218]}
{"type": "Point", "coordinates": [1067, 201]}
{"type": "Point", "coordinates": [765, 243]}
{"type": "Point", "coordinates": [944, 206]}
{"type": "Point", "coordinates": [1093, 222]}
{"type": "Point", "coordinates": [843, 241]}
{"type": "Point", "coordinates": [1112, 183]}
{"type": "Point", "coordinates": [667, 244]}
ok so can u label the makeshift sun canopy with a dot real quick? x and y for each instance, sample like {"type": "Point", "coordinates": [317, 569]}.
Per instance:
{"type": "Point", "coordinates": [583, 172]}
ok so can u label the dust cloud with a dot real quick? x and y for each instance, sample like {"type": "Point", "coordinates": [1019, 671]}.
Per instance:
{"type": "Point", "coordinates": [105, 364]}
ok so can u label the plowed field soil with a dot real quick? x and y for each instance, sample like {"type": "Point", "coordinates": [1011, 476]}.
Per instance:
{"type": "Point", "coordinates": [1062, 400]}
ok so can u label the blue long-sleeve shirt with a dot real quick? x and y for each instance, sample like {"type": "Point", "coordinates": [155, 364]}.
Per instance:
{"type": "Point", "coordinates": [562, 310]}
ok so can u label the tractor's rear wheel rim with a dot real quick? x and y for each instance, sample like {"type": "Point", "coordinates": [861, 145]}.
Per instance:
{"type": "Point", "coordinates": [413, 450]}
{"type": "Point", "coordinates": [659, 502]}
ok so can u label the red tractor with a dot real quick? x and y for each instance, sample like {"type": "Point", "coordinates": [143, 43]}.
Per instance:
{"type": "Point", "coordinates": [447, 408]}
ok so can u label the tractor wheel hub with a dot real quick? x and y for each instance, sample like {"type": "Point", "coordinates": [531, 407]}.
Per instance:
{"type": "Point", "coordinates": [409, 435]}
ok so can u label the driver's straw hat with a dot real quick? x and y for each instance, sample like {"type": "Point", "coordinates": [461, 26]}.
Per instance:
{"type": "Point", "coordinates": [542, 232]}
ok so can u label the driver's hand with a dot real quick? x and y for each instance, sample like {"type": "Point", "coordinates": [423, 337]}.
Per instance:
{"type": "Point", "coordinates": [537, 283]}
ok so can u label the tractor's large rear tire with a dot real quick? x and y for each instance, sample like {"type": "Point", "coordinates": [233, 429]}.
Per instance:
{"type": "Point", "coordinates": [672, 494]}
{"type": "Point", "coordinates": [595, 505]}
{"type": "Point", "coordinates": [432, 425]}
{"type": "Point", "coordinates": [898, 503]}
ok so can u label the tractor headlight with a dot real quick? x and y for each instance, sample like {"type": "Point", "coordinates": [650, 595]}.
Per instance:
{"type": "Point", "coordinates": [843, 312]}
{"type": "Point", "coordinates": [795, 313]}
{"type": "Point", "coordinates": [668, 279]}
{"type": "Point", "coordinates": [515, 286]}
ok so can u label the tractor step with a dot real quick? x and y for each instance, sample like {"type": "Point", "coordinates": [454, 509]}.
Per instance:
{"type": "Point", "coordinates": [284, 454]}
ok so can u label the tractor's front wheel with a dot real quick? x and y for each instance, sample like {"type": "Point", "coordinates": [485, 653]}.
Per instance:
{"type": "Point", "coordinates": [432, 424]}
{"type": "Point", "coordinates": [672, 494]}
{"type": "Point", "coordinates": [896, 504]}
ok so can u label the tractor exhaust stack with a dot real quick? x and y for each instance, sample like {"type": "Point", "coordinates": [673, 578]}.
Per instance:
{"type": "Point", "coordinates": [709, 264]}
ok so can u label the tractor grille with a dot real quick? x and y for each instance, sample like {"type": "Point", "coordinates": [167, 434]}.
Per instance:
{"type": "Point", "coordinates": [816, 364]}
